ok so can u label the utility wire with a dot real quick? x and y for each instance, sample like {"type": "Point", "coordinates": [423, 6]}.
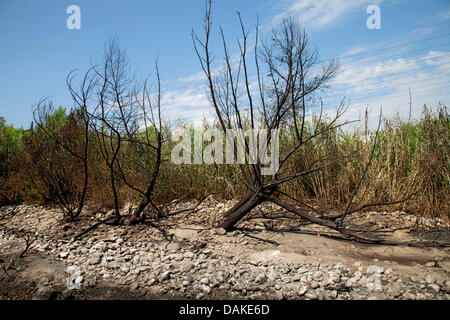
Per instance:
{"type": "Point", "coordinates": [401, 64]}
{"type": "Point", "coordinates": [394, 46]}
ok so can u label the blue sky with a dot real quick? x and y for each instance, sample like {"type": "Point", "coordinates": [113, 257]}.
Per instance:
{"type": "Point", "coordinates": [412, 50]}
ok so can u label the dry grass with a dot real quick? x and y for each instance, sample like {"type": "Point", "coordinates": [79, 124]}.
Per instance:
{"type": "Point", "coordinates": [409, 158]}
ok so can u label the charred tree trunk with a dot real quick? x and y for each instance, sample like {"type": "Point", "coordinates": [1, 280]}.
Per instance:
{"type": "Point", "coordinates": [248, 202]}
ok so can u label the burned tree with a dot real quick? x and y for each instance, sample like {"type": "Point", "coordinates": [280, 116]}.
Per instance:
{"type": "Point", "coordinates": [288, 79]}
{"type": "Point", "coordinates": [127, 115]}
{"type": "Point", "coordinates": [73, 139]}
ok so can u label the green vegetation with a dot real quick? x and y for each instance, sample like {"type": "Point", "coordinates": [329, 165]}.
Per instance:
{"type": "Point", "coordinates": [410, 158]}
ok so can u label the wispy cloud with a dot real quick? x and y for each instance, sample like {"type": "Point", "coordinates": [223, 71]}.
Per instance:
{"type": "Point", "coordinates": [440, 16]}
{"type": "Point", "coordinates": [443, 16]}
{"type": "Point", "coordinates": [189, 105]}
{"type": "Point", "coordinates": [318, 13]}
{"type": "Point", "coordinates": [196, 77]}
{"type": "Point", "coordinates": [387, 84]}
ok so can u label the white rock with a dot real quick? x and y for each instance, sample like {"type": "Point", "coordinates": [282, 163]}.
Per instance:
{"type": "Point", "coordinates": [333, 294]}
{"type": "Point", "coordinates": [429, 279]}
{"type": "Point", "coordinates": [220, 231]}
{"type": "Point", "coordinates": [374, 269]}
{"type": "Point", "coordinates": [205, 289]}
{"type": "Point", "coordinates": [434, 287]}
{"type": "Point", "coordinates": [311, 295]}
{"type": "Point", "coordinates": [260, 278]}
{"type": "Point", "coordinates": [388, 271]}
{"type": "Point", "coordinates": [185, 283]}
{"type": "Point", "coordinates": [303, 290]}
{"type": "Point", "coordinates": [95, 259]}
{"type": "Point", "coordinates": [350, 282]}
{"type": "Point", "coordinates": [279, 295]}
{"type": "Point", "coordinates": [165, 275]}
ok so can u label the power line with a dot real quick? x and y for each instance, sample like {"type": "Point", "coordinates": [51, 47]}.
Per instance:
{"type": "Point", "coordinates": [397, 55]}
{"type": "Point", "coordinates": [406, 94]}
{"type": "Point", "coordinates": [376, 95]}
{"type": "Point", "coordinates": [395, 46]}
{"type": "Point", "coordinates": [393, 85]}
{"type": "Point", "coordinates": [392, 82]}
{"type": "Point", "coordinates": [401, 72]}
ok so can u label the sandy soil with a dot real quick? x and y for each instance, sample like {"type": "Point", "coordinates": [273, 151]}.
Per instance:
{"type": "Point", "coordinates": [200, 262]}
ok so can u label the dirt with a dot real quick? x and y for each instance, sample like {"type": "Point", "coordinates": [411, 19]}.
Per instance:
{"type": "Point", "coordinates": [42, 272]}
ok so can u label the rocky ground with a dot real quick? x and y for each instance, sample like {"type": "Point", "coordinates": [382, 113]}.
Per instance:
{"type": "Point", "coordinates": [191, 259]}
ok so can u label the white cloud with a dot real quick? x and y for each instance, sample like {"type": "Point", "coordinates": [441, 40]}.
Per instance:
{"type": "Point", "coordinates": [387, 84]}
{"type": "Point", "coordinates": [444, 15]}
{"type": "Point", "coordinates": [356, 50]}
{"type": "Point", "coordinates": [196, 77]}
{"type": "Point", "coordinates": [366, 82]}
{"type": "Point", "coordinates": [190, 105]}
{"type": "Point", "coordinates": [319, 13]}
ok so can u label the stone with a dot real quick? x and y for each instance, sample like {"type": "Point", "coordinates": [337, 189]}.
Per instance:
{"type": "Point", "coordinates": [296, 277]}
{"type": "Point", "coordinates": [204, 288]}
{"type": "Point", "coordinates": [260, 278]}
{"type": "Point", "coordinates": [374, 268]}
{"type": "Point", "coordinates": [279, 295]}
{"type": "Point", "coordinates": [409, 296]}
{"type": "Point", "coordinates": [134, 286]}
{"type": "Point", "coordinates": [420, 296]}
{"type": "Point", "coordinates": [302, 270]}
{"type": "Point", "coordinates": [45, 293]}
{"type": "Point", "coordinates": [351, 282]}
{"type": "Point", "coordinates": [434, 287]}
{"type": "Point", "coordinates": [311, 295]}
{"type": "Point", "coordinates": [394, 290]}
{"type": "Point", "coordinates": [334, 277]}
{"type": "Point", "coordinates": [429, 279]}
{"type": "Point", "coordinates": [220, 231]}
{"type": "Point", "coordinates": [318, 275]}
{"type": "Point", "coordinates": [333, 294]}
{"type": "Point", "coordinates": [165, 275]}
{"type": "Point", "coordinates": [388, 271]}
{"type": "Point", "coordinates": [95, 259]}
{"type": "Point", "coordinates": [303, 290]}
